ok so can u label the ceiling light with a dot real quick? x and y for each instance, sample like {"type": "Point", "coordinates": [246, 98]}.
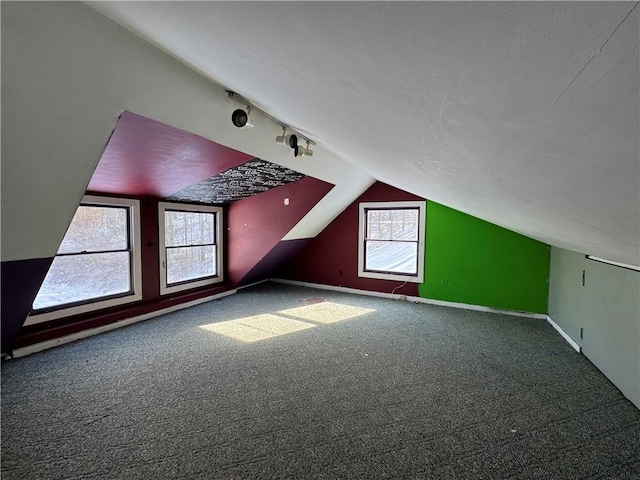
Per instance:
{"type": "Point", "coordinates": [299, 151]}
{"type": "Point", "coordinates": [289, 139]}
{"type": "Point", "coordinates": [242, 118]}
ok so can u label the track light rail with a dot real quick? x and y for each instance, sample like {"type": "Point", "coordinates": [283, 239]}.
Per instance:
{"type": "Point", "coordinates": [253, 108]}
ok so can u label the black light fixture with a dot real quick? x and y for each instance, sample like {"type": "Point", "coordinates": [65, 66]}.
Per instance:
{"type": "Point", "coordinates": [242, 118]}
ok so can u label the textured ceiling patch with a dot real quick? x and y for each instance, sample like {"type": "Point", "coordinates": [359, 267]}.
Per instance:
{"type": "Point", "coordinates": [250, 178]}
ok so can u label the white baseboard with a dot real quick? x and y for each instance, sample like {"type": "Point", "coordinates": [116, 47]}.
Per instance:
{"type": "Point", "coordinates": [481, 308]}
{"type": "Point", "coordinates": [252, 284]}
{"type": "Point", "coordinates": [38, 347]}
{"type": "Point", "coordinates": [465, 306]}
{"type": "Point", "coordinates": [21, 352]}
{"type": "Point", "coordinates": [564, 334]}
{"type": "Point", "coordinates": [321, 286]}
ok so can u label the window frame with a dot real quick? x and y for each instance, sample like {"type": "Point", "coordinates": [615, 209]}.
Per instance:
{"type": "Point", "coordinates": [362, 229]}
{"type": "Point", "coordinates": [135, 263]}
{"type": "Point", "coordinates": [218, 212]}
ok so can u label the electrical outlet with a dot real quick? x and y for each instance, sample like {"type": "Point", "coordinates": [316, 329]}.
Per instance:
{"type": "Point", "coordinates": [445, 282]}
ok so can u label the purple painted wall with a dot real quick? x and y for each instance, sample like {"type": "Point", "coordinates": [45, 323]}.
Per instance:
{"type": "Point", "coordinates": [281, 253]}
{"type": "Point", "coordinates": [21, 280]}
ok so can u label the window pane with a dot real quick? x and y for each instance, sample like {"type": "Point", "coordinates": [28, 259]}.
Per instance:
{"type": "Point", "coordinates": [392, 224]}
{"type": "Point", "coordinates": [190, 263]}
{"type": "Point", "coordinates": [188, 228]}
{"type": "Point", "coordinates": [393, 257]}
{"type": "Point", "coordinates": [96, 229]}
{"type": "Point", "coordinates": [84, 277]}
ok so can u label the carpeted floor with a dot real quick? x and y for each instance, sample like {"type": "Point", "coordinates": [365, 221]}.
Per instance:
{"type": "Point", "coordinates": [290, 382]}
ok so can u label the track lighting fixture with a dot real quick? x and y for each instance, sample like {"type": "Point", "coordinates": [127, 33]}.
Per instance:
{"type": "Point", "coordinates": [289, 139]}
{"type": "Point", "coordinates": [299, 151]}
{"type": "Point", "coordinates": [242, 118]}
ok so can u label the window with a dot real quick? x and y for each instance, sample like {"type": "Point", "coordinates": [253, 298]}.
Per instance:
{"type": "Point", "coordinates": [98, 263]}
{"type": "Point", "coordinates": [190, 246]}
{"type": "Point", "coordinates": [391, 241]}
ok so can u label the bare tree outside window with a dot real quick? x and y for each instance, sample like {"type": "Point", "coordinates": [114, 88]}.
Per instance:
{"type": "Point", "coordinates": [93, 261]}
{"type": "Point", "coordinates": [190, 245]}
{"type": "Point", "coordinates": [391, 241]}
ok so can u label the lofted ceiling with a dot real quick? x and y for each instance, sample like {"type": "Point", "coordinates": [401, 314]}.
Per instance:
{"type": "Point", "coordinates": [524, 114]}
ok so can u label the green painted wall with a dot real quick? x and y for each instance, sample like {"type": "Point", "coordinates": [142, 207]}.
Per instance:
{"type": "Point", "coordinates": [468, 260]}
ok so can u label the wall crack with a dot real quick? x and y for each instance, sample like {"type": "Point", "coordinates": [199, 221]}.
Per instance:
{"type": "Point", "coordinates": [595, 54]}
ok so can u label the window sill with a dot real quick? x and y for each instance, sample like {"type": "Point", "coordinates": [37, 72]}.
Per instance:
{"type": "Point", "coordinates": [391, 276]}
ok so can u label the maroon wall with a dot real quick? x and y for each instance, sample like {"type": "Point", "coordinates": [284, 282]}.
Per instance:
{"type": "Point", "coordinates": [255, 227]}
{"type": "Point", "coordinates": [151, 298]}
{"type": "Point", "coordinates": [257, 224]}
{"type": "Point", "coordinates": [147, 158]}
{"type": "Point", "coordinates": [331, 258]}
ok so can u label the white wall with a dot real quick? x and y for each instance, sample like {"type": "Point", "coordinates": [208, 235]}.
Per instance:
{"type": "Point", "coordinates": [606, 308]}
{"type": "Point", "coordinates": [565, 291]}
{"type": "Point", "coordinates": [67, 74]}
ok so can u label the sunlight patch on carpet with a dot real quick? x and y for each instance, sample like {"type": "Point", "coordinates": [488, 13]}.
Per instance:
{"type": "Point", "coordinates": [258, 327]}
{"type": "Point", "coordinates": [265, 326]}
{"type": "Point", "coordinates": [325, 312]}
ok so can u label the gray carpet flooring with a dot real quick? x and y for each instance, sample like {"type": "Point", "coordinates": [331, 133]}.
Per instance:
{"type": "Point", "coordinates": [327, 385]}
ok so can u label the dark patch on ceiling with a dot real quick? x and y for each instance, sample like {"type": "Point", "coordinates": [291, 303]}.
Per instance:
{"type": "Point", "coordinates": [250, 178]}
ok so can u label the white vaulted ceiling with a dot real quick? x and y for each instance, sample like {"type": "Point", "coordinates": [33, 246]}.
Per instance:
{"type": "Point", "coordinates": [524, 114]}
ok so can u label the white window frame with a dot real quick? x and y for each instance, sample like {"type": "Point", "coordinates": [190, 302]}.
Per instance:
{"type": "Point", "coordinates": [362, 228]}
{"type": "Point", "coordinates": [186, 207]}
{"type": "Point", "coordinates": [136, 265]}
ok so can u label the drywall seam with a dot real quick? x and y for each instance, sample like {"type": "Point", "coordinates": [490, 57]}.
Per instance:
{"type": "Point", "coordinates": [38, 347]}
{"type": "Point", "coordinates": [440, 303]}
{"type": "Point", "coordinates": [564, 334]}
{"type": "Point", "coordinates": [594, 55]}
